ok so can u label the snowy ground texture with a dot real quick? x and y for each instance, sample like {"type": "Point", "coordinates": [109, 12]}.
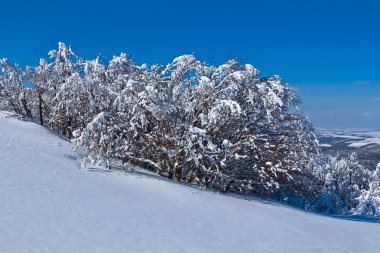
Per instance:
{"type": "Point", "coordinates": [48, 205]}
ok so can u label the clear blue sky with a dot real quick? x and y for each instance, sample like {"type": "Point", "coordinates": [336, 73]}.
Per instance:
{"type": "Point", "coordinates": [329, 50]}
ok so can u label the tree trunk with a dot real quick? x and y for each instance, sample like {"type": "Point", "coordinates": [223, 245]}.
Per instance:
{"type": "Point", "coordinates": [40, 108]}
{"type": "Point", "coordinates": [27, 111]}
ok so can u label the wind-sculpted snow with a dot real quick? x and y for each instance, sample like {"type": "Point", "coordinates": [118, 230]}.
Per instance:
{"type": "Point", "coordinates": [49, 205]}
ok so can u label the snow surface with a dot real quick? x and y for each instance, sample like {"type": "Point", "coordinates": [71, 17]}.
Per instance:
{"type": "Point", "coordinates": [49, 205]}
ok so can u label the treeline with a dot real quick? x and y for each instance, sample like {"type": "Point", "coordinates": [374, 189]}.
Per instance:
{"type": "Point", "coordinates": [221, 127]}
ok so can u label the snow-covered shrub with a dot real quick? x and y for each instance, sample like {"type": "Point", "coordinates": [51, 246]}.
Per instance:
{"type": "Point", "coordinates": [338, 183]}
{"type": "Point", "coordinates": [221, 127]}
{"type": "Point", "coordinates": [369, 200]}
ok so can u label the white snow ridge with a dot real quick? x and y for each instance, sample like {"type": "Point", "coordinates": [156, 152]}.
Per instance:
{"type": "Point", "coordinates": [49, 205]}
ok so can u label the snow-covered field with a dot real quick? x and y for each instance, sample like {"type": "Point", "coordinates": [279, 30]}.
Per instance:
{"type": "Point", "coordinates": [48, 205]}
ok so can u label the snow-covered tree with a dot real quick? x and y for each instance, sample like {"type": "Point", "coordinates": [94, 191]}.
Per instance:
{"type": "Point", "coordinates": [68, 90]}
{"type": "Point", "coordinates": [15, 96]}
{"type": "Point", "coordinates": [39, 77]}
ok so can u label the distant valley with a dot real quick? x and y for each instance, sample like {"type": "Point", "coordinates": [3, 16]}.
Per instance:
{"type": "Point", "coordinates": [365, 143]}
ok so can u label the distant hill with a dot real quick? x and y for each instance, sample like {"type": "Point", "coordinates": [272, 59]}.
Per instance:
{"type": "Point", "coordinates": [365, 143]}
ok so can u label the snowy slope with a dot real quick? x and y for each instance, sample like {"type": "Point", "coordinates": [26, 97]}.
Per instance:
{"type": "Point", "coordinates": [48, 205]}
